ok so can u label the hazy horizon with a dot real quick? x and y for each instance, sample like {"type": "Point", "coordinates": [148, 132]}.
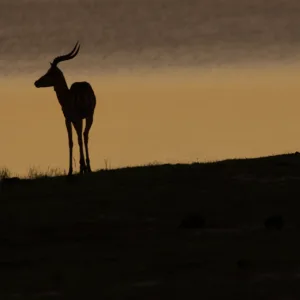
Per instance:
{"type": "Point", "coordinates": [175, 81]}
{"type": "Point", "coordinates": [127, 35]}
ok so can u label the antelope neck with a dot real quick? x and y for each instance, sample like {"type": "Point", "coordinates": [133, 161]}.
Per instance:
{"type": "Point", "coordinates": [62, 92]}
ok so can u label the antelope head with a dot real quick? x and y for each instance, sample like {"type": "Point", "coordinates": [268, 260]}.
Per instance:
{"type": "Point", "coordinates": [54, 74]}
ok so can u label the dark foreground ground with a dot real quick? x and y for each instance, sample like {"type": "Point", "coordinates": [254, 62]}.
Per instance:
{"type": "Point", "coordinates": [116, 234]}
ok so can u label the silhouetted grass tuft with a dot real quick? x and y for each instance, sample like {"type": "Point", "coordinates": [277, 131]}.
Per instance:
{"type": "Point", "coordinates": [5, 173]}
{"type": "Point", "coordinates": [35, 173]}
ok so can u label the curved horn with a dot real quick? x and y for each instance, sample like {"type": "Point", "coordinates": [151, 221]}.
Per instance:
{"type": "Point", "coordinates": [68, 56]}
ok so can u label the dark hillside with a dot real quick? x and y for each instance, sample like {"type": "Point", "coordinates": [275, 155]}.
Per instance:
{"type": "Point", "coordinates": [120, 233]}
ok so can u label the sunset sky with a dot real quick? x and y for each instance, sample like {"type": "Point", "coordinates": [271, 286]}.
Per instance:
{"type": "Point", "coordinates": [175, 81]}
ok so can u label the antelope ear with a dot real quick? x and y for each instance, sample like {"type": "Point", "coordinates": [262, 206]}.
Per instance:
{"type": "Point", "coordinates": [51, 64]}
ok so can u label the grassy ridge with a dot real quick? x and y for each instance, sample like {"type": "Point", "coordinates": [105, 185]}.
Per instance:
{"type": "Point", "coordinates": [229, 188]}
{"type": "Point", "coordinates": [114, 233]}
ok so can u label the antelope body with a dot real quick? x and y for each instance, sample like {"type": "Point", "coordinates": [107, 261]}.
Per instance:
{"type": "Point", "coordinates": [77, 103]}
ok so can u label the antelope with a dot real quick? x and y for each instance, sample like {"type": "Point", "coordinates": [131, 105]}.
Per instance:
{"type": "Point", "coordinates": [77, 103]}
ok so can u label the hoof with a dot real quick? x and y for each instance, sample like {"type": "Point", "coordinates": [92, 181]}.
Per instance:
{"type": "Point", "coordinates": [85, 170]}
{"type": "Point", "coordinates": [70, 173]}
{"type": "Point", "coordinates": [88, 168]}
